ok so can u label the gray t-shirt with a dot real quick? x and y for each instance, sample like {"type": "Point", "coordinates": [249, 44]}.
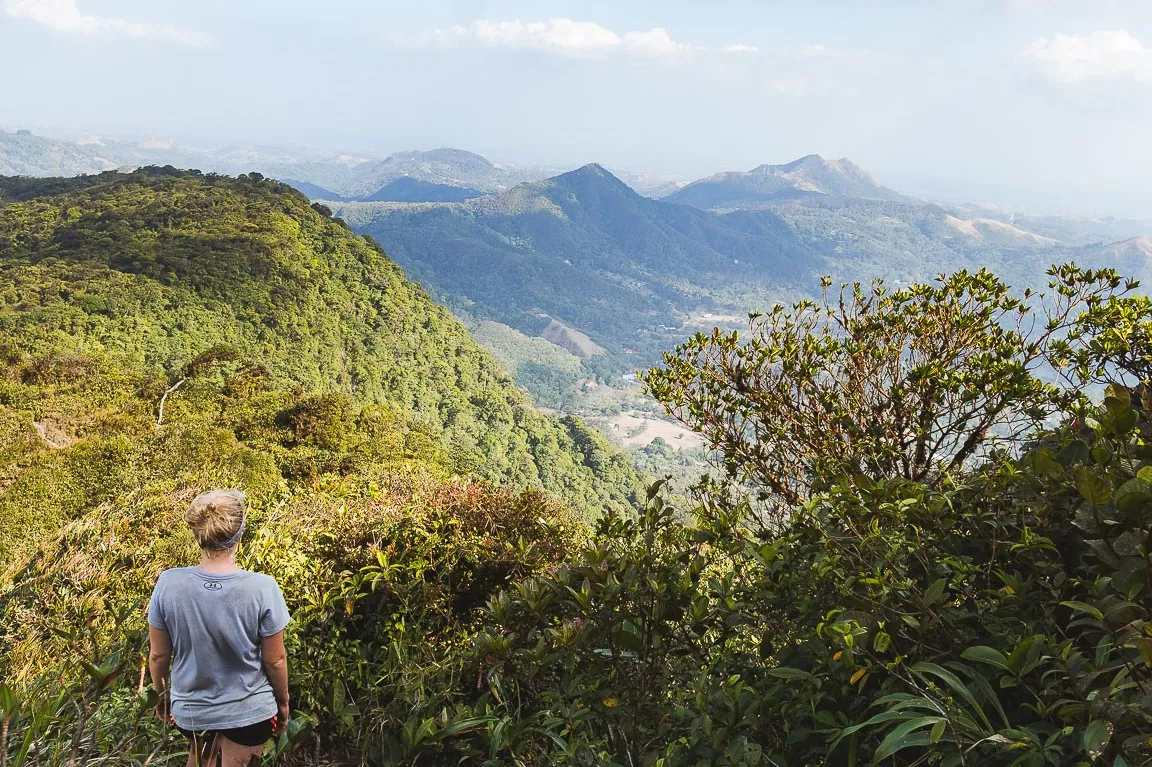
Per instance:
{"type": "Point", "coordinates": [216, 623]}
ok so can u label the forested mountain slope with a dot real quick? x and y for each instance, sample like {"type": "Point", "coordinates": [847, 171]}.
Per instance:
{"type": "Point", "coordinates": [300, 342]}
{"type": "Point", "coordinates": [586, 249]}
{"type": "Point", "coordinates": [633, 273]}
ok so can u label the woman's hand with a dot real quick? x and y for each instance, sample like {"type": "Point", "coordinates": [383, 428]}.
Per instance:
{"type": "Point", "coordinates": [280, 722]}
{"type": "Point", "coordinates": [163, 707]}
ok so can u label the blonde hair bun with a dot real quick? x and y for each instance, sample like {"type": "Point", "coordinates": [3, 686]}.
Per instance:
{"type": "Point", "coordinates": [215, 517]}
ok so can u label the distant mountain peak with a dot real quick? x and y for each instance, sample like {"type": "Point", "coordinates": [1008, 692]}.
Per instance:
{"type": "Point", "coordinates": [591, 169]}
{"type": "Point", "coordinates": [808, 176]}
{"type": "Point", "coordinates": [814, 163]}
{"type": "Point", "coordinates": [592, 175]}
{"type": "Point", "coordinates": [805, 162]}
{"type": "Point", "coordinates": [1133, 246]}
{"type": "Point", "coordinates": [446, 155]}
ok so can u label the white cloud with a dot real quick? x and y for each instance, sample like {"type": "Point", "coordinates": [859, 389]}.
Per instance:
{"type": "Point", "coordinates": [65, 16]}
{"type": "Point", "coordinates": [1101, 55]}
{"type": "Point", "coordinates": [574, 38]}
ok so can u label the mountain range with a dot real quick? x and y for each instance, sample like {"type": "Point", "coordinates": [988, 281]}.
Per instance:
{"type": "Point", "coordinates": [636, 275]}
{"type": "Point", "coordinates": [612, 275]}
{"type": "Point", "coordinates": [586, 250]}
{"type": "Point", "coordinates": [438, 175]}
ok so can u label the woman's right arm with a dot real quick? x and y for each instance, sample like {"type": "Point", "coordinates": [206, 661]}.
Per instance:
{"type": "Point", "coordinates": [159, 660]}
{"type": "Point", "coordinates": [275, 659]}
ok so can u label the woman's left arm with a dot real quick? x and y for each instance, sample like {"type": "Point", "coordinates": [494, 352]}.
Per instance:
{"type": "Point", "coordinates": [159, 659]}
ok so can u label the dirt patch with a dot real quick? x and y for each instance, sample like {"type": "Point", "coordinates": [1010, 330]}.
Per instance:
{"type": "Point", "coordinates": [634, 430]}
{"type": "Point", "coordinates": [572, 340]}
{"type": "Point", "coordinates": [53, 434]}
{"type": "Point", "coordinates": [707, 319]}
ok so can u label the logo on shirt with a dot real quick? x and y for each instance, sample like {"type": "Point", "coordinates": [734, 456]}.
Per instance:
{"type": "Point", "coordinates": [213, 585]}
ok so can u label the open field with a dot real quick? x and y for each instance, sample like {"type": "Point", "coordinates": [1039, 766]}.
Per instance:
{"type": "Point", "coordinates": [636, 430]}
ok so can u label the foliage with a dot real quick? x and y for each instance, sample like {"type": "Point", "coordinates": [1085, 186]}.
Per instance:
{"type": "Point", "coordinates": [909, 383]}
{"type": "Point", "coordinates": [384, 576]}
{"type": "Point", "coordinates": [175, 273]}
{"type": "Point", "coordinates": [996, 615]}
{"type": "Point", "coordinates": [165, 332]}
{"type": "Point", "coordinates": [548, 373]}
{"type": "Point", "coordinates": [990, 612]}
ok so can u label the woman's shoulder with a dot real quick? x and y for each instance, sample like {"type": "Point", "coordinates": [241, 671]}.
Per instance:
{"type": "Point", "coordinates": [172, 572]}
{"type": "Point", "coordinates": [262, 580]}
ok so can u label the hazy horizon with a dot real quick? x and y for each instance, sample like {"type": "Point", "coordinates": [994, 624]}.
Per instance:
{"type": "Point", "coordinates": [1039, 105]}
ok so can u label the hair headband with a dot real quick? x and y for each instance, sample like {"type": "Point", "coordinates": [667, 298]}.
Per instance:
{"type": "Point", "coordinates": [235, 539]}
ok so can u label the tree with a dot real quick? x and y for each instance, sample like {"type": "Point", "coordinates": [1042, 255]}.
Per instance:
{"type": "Point", "coordinates": [908, 384]}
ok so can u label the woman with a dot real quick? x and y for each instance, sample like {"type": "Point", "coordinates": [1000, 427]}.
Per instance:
{"type": "Point", "coordinates": [222, 630]}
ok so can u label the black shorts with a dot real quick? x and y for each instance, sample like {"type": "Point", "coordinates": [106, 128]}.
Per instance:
{"type": "Point", "coordinates": [253, 735]}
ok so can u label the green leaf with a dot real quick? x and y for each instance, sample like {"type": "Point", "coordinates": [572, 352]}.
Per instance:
{"type": "Point", "coordinates": [1084, 608]}
{"type": "Point", "coordinates": [465, 725]}
{"type": "Point", "coordinates": [1075, 451]}
{"type": "Point", "coordinates": [1132, 495]}
{"type": "Point", "coordinates": [147, 699]}
{"type": "Point", "coordinates": [988, 655]}
{"type": "Point", "coordinates": [1096, 735]}
{"type": "Point", "coordinates": [1118, 417]}
{"type": "Point", "coordinates": [95, 672]}
{"type": "Point", "coordinates": [938, 731]}
{"type": "Point", "coordinates": [885, 716]}
{"type": "Point", "coordinates": [1041, 462]}
{"type": "Point", "coordinates": [629, 637]}
{"type": "Point", "coordinates": [899, 738]}
{"type": "Point", "coordinates": [655, 488]}
{"type": "Point", "coordinates": [935, 592]}
{"type": "Point", "coordinates": [1144, 644]}
{"type": "Point", "coordinates": [957, 686]}
{"type": "Point", "coordinates": [1094, 488]}
{"type": "Point", "coordinates": [980, 685]}
{"type": "Point", "coordinates": [783, 672]}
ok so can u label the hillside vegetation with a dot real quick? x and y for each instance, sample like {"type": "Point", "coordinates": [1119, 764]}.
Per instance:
{"type": "Point", "coordinates": [920, 550]}
{"type": "Point", "coordinates": [117, 287]}
{"type": "Point", "coordinates": [925, 542]}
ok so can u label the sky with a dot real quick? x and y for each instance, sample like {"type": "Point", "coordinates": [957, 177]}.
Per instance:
{"type": "Point", "coordinates": [1042, 105]}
